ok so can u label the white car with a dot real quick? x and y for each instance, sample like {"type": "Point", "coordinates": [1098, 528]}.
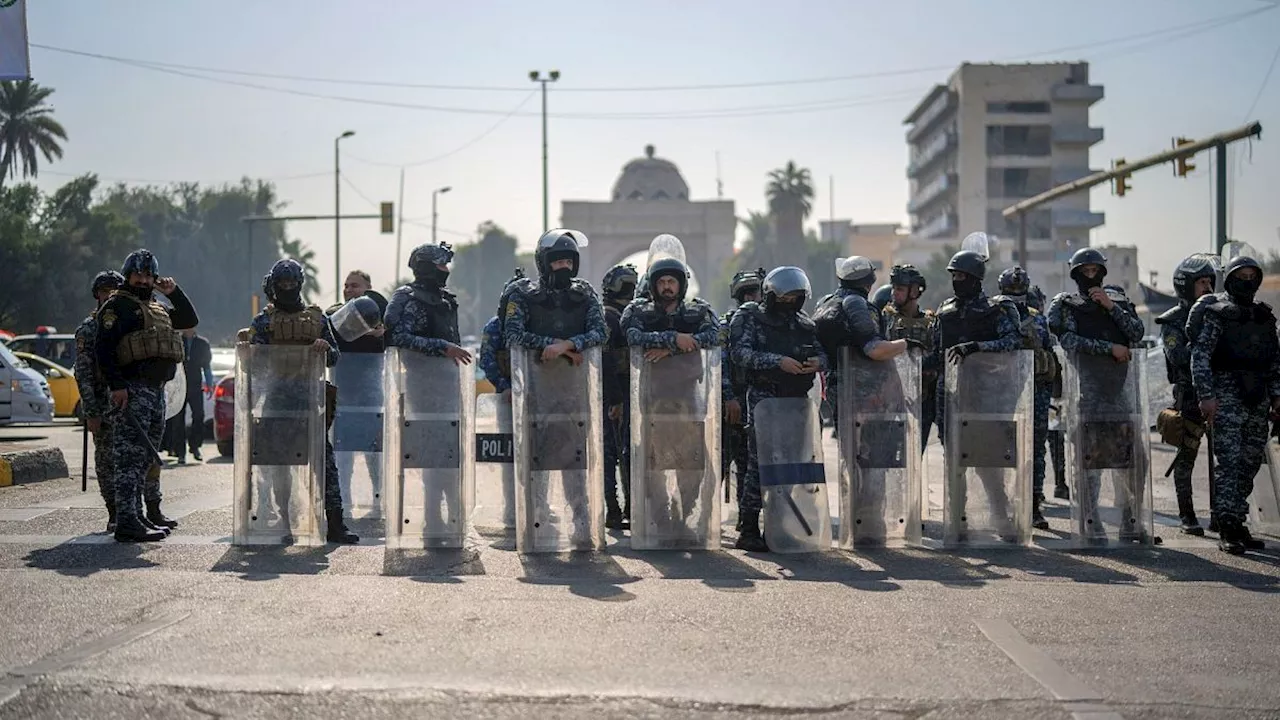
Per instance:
{"type": "Point", "coordinates": [24, 393]}
{"type": "Point", "coordinates": [223, 364]}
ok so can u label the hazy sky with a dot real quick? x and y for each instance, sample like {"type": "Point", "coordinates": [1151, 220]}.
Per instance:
{"type": "Point", "coordinates": [132, 123]}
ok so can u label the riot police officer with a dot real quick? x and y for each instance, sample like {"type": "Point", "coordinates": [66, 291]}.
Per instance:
{"type": "Point", "coordinates": [1015, 284]}
{"type": "Point", "coordinates": [904, 320]}
{"type": "Point", "coordinates": [559, 313]}
{"type": "Point", "coordinates": [1193, 278]}
{"type": "Point", "coordinates": [1235, 368]}
{"type": "Point", "coordinates": [138, 351]}
{"type": "Point", "coordinates": [1057, 445]}
{"type": "Point", "coordinates": [495, 359]}
{"type": "Point", "coordinates": [423, 315]}
{"type": "Point", "coordinates": [288, 320]}
{"type": "Point", "coordinates": [618, 289]}
{"type": "Point", "coordinates": [93, 392]}
{"type": "Point", "coordinates": [778, 346]}
{"type": "Point", "coordinates": [743, 288]}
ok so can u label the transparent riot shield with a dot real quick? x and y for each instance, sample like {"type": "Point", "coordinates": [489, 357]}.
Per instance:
{"type": "Point", "coordinates": [880, 460]}
{"type": "Point", "coordinates": [988, 438]}
{"type": "Point", "coordinates": [559, 452]}
{"type": "Point", "coordinates": [1108, 450]}
{"type": "Point", "coordinates": [357, 432]}
{"type": "Point", "coordinates": [427, 462]}
{"type": "Point", "coordinates": [494, 508]}
{"type": "Point", "coordinates": [1264, 502]}
{"type": "Point", "coordinates": [279, 445]}
{"type": "Point", "coordinates": [675, 452]}
{"type": "Point", "coordinates": [793, 480]}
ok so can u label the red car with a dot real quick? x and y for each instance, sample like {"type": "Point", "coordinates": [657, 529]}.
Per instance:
{"type": "Point", "coordinates": [224, 415]}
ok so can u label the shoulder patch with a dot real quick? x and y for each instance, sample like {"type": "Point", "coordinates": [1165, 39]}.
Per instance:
{"type": "Point", "coordinates": [108, 318]}
{"type": "Point", "coordinates": [511, 310]}
{"type": "Point", "coordinates": [79, 344]}
{"type": "Point", "coordinates": [1171, 341]}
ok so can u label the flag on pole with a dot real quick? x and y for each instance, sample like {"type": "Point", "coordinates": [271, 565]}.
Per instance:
{"type": "Point", "coordinates": [15, 56]}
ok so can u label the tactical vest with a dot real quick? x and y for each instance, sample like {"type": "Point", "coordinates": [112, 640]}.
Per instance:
{"type": "Point", "coordinates": [1094, 321]}
{"type": "Point", "coordinates": [295, 328]}
{"type": "Point", "coordinates": [794, 337]}
{"type": "Point", "coordinates": [969, 323]}
{"type": "Point", "coordinates": [558, 314]}
{"type": "Point", "coordinates": [155, 340]}
{"type": "Point", "coordinates": [737, 374]}
{"type": "Point", "coordinates": [1044, 367]}
{"type": "Point", "coordinates": [440, 310]}
{"type": "Point", "coordinates": [1176, 318]}
{"type": "Point", "coordinates": [900, 327]}
{"type": "Point", "coordinates": [687, 318]}
{"type": "Point", "coordinates": [832, 322]}
{"type": "Point", "coordinates": [617, 345]}
{"type": "Point", "coordinates": [1248, 342]}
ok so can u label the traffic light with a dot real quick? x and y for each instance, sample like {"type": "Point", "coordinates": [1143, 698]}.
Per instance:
{"type": "Point", "coordinates": [388, 217]}
{"type": "Point", "coordinates": [1120, 183]}
{"type": "Point", "coordinates": [1182, 165]}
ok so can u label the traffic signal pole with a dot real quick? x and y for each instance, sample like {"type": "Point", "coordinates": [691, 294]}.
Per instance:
{"type": "Point", "coordinates": [1120, 173]}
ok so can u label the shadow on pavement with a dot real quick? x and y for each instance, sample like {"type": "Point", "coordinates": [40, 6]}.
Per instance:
{"type": "Point", "coordinates": [1044, 563]}
{"type": "Point", "coordinates": [587, 574]}
{"type": "Point", "coordinates": [1178, 565]}
{"type": "Point", "coordinates": [443, 565]}
{"type": "Point", "coordinates": [716, 569]}
{"type": "Point", "coordinates": [77, 560]}
{"type": "Point", "coordinates": [830, 567]}
{"type": "Point", "coordinates": [270, 562]}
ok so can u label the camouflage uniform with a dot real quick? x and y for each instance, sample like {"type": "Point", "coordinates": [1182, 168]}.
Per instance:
{"type": "Point", "coordinates": [1235, 358]}
{"type": "Point", "coordinates": [518, 310]}
{"type": "Point", "coordinates": [93, 404]}
{"type": "Point", "coordinates": [733, 386]}
{"type": "Point", "coordinates": [1177, 357]}
{"type": "Point", "coordinates": [748, 338]}
{"type": "Point", "coordinates": [919, 329]}
{"type": "Point", "coordinates": [615, 371]}
{"type": "Point", "coordinates": [490, 347]}
{"type": "Point", "coordinates": [409, 317]}
{"type": "Point", "coordinates": [1034, 329]}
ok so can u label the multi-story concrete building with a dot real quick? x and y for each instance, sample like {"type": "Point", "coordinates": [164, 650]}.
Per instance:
{"type": "Point", "coordinates": [877, 242]}
{"type": "Point", "coordinates": [995, 134]}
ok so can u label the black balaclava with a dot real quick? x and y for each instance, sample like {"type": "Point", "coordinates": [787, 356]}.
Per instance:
{"type": "Point", "coordinates": [1085, 283]}
{"type": "Point", "coordinates": [431, 277]}
{"type": "Point", "coordinates": [1241, 290]}
{"type": "Point", "coordinates": [289, 300]}
{"type": "Point", "coordinates": [967, 287]}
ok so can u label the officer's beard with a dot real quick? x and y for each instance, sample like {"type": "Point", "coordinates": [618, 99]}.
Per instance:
{"type": "Point", "coordinates": [289, 300]}
{"type": "Point", "coordinates": [560, 278]}
{"type": "Point", "coordinates": [1242, 291]}
{"type": "Point", "coordinates": [142, 292]}
{"type": "Point", "coordinates": [1085, 283]}
{"type": "Point", "coordinates": [968, 288]}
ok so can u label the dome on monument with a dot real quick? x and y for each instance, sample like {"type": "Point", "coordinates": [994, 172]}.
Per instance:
{"type": "Point", "coordinates": [650, 178]}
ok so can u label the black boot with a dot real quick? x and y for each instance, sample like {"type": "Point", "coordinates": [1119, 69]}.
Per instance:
{"type": "Point", "coordinates": [142, 519]}
{"type": "Point", "coordinates": [338, 531]}
{"type": "Point", "coordinates": [1037, 518]}
{"type": "Point", "coordinates": [1229, 537]}
{"type": "Point", "coordinates": [132, 530]}
{"type": "Point", "coordinates": [1191, 525]}
{"type": "Point", "coordinates": [111, 518]}
{"type": "Point", "coordinates": [1248, 540]}
{"type": "Point", "coordinates": [1061, 491]}
{"type": "Point", "coordinates": [749, 537]}
{"type": "Point", "coordinates": [157, 518]}
{"type": "Point", "coordinates": [1213, 523]}
{"type": "Point", "coordinates": [613, 516]}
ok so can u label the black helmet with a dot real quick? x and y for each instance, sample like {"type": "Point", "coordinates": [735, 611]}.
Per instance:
{"type": "Point", "coordinates": [507, 291]}
{"type": "Point", "coordinates": [424, 258]}
{"type": "Point", "coordinates": [620, 282]}
{"type": "Point", "coordinates": [669, 267]}
{"type": "Point", "coordinates": [855, 272]}
{"type": "Point", "coordinates": [1192, 268]}
{"type": "Point", "coordinates": [745, 281]}
{"type": "Point", "coordinates": [1014, 281]}
{"type": "Point", "coordinates": [140, 261]}
{"type": "Point", "coordinates": [970, 262]}
{"type": "Point", "coordinates": [558, 244]}
{"type": "Point", "coordinates": [1239, 262]}
{"type": "Point", "coordinates": [1088, 256]}
{"type": "Point", "coordinates": [288, 269]}
{"type": "Point", "coordinates": [784, 281]}
{"type": "Point", "coordinates": [1035, 298]}
{"type": "Point", "coordinates": [107, 279]}
{"type": "Point", "coordinates": [907, 275]}
{"type": "Point", "coordinates": [882, 296]}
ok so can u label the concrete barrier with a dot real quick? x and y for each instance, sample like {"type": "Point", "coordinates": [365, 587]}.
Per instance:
{"type": "Point", "coordinates": [31, 465]}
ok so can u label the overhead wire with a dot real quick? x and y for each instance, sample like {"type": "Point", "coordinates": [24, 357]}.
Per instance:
{"type": "Point", "coordinates": [456, 150]}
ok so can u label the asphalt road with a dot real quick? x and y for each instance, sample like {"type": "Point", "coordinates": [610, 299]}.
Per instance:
{"type": "Point", "coordinates": [193, 627]}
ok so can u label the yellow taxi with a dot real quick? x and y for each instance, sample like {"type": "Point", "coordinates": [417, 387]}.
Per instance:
{"type": "Point", "coordinates": [62, 383]}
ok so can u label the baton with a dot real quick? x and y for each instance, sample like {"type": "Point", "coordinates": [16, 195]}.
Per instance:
{"type": "Point", "coordinates": [1209, 433]}
{"type": "Point", "coordinates": [799, 515]}
{"type": "Point", "coordinates": [84, 463]}
{"type": "Point", "coordinates": [146, 439]}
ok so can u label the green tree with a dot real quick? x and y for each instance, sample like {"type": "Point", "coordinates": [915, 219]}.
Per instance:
{"type": "Point", "coordinates": [480, 269]}
{"type": "Point", "coordinates": [27, 128]}
{"type": "Point", "coordinates": [790, 195]}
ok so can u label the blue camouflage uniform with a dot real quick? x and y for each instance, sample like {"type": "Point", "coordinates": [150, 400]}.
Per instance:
{"type": "Point", "coordinates": [490, 345]}
{"type": "Point", "coordinates": [733, 386]}
{"type": "Point", "coordinates": [749, 340]}
{"type": "Point", "coordinates": [93, 404]}
{"type": "Point", "coordinates": [1037, 338]}
{"type": "Point", "coordinates": [844, 317]}
{"type": "Point", "coordinates": [1235, 359]}
{"type": "Point", "coordinates": [515, 324]}
{"type": "Point", "coordinates": [1177, 358]}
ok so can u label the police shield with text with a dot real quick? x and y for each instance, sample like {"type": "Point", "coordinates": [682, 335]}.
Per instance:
{"type": "Point", "coordinates": [985, 408]}
{"type": "Point", "coordinates": [494, 480]}
{"type": "Point", "coordinates": [1105, 400]}
{"type": "Point", "coordinates": [675, 407]}
{"type": "Point", "coordinates": [777, 343]}
{"type": "Point", "coordinates": [1235, 366]}
{"type": "Point", "coordinates": [555, 328]}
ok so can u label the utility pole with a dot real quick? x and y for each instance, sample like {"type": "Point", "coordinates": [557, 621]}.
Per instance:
{"type": "Point", "coordinates": [399, 226]}
{"type": "Point", "coordinates": [1222, 197]}
{"type": "Point", "coordinates": [552, 76]}
{"type": "Point", "coordinates": [434, 215]}
{"type": "Point", "coordinates": [337, 218]}
{"type": "Point", "coordinates": [719, 180]}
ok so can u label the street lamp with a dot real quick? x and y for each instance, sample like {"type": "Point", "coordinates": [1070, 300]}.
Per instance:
{"type": "Point", "coordinates": [537, 77]}
{"type": "Point", "coordinates": [337, 215]}
{"type": "Point", "coordinates": [434, 215]}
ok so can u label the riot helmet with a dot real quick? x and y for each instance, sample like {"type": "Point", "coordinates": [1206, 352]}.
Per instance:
{"type": "Point", "coordinates": [882, 296]}
{"type": "Point", "coordinates": [1087, 256]}
{"type": "Point", "coordinates": [782, 282]}
{"type": "Point", "coordinates": [668, 267]}
{"type": "Point", "coordinates": [357, 318]}
{"type": "Point", "coordinates": [1238, 256]}
{"type": "Point", "coordinates": [425, 260]}
{"type": "Point", "coordinates": [619, 283]}
{"type": "Point", "coordinates": [1014, 282]}
{"type": "Point", "coordinates": [106, 280]}
{"type": "Point", "coordinates": [554, 245]}
{"type": "Point", "coordinates": [744, 282]}
{"type": "Point", "coordinates": [972, 267]}
{"type": "Point", "coordinates": [1190, 270]}
{"type": "Point", "coordinates": [286, 280]}
{"type": "Point", "coordinates": [907, 275]}
{"type": "Point", "coordinates": [140, 261]}
{"type": "Point", "coordinates": [855, 273]}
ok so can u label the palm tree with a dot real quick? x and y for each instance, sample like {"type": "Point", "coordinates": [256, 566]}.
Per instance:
{"type": "Point", "coordinates": [27, 127]}
{"type": "Point", "coordinates": [790, 193]}
{"type": "Point", "coordinates": [756, 252]}
{"type": "Point", "coordinates": [307, 258]}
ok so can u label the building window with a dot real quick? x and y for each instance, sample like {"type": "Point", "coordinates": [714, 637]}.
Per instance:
{"type": "Point", "coordinates": [1023, 140]}
{"type": "Point", "coordinates": [1017, 182]}
{"type": "Point", "coordinates": [1018, 107]}
{"type": "Point", "coordinates": [1039, 224]}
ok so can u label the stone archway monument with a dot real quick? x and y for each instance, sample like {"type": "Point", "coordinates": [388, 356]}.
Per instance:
{"type": "Point", "coordinates": [650, 198]}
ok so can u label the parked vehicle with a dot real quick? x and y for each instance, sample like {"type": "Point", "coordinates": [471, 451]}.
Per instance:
{"type": "Point", "coordinates": [58, 347]}
{"type": "Point", "coordinates": [62, 383]}
{"type": "Point", "coordinates": [25, 396]}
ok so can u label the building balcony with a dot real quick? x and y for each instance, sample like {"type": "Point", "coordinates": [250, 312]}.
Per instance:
{"type": "Point", "coordinates": [941, 226]}
{"type": "Point", "coordinates": [1064, 175]}
{"type": "Point", "coordinates": [1076, 135]}
{"type": "Point", "coordinates": [1071, 92]}
{"type": "Point", "coordinates": [932, 192]}
{"type": "Point", "coordinates": [936, 149]}
{"type": "Point", "coordinates": [1069, 219]}
{"type": "Point", "coordinates": [941, 107]}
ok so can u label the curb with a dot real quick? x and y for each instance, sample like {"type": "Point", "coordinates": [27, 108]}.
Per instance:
{"type": "Point", "coordinates": [34, 465]}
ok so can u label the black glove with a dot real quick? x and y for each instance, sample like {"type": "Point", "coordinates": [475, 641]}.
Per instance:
{"type": "Point", "coordinates": [961, 351]}
{"type": "Point", "coordinates": [913, 342]}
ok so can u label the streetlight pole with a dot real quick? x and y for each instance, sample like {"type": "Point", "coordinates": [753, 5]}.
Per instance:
{"type": "Point", "coordinates": [434, 215]}
{"type": "Point", "coordinates": [552, 76]}
{"type": "Point", "coordinates": [337, 217]}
